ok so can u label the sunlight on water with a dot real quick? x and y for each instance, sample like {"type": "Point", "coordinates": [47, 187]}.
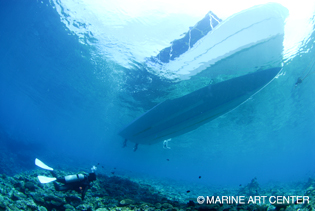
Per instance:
{"type": "Point", "coordinates": [125, 32]}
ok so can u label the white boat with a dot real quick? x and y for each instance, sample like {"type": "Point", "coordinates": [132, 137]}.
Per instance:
{"type": "Point", "coordinates": [242, 54]}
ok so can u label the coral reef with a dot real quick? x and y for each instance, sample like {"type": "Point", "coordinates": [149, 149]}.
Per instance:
{"type": "Point", "coordinates": [252, 189]}
{"type": "Point", "coordinates": [24, 192]}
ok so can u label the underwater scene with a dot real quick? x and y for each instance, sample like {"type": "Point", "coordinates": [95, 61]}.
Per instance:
{"type": "Point", "coordinates": [157, 105]}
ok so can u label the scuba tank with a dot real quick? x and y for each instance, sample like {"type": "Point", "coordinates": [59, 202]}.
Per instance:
{"type": "Point", "coordinates": [74, 178]}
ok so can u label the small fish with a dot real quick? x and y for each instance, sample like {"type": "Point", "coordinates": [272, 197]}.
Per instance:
{"type": "Point", "coordinates": [115, 168]}
{"type": "Point", "coordinates": [240, 184]}
{"type": "Point", "coordinates": [98, 164]}
{"type": "Point", "coordinates": [199, 177]}
{"type": "Point", "coordinates": [168, 159]}
{"type": "Point", "coordinates": [188, 191]}
{"type": "Point", "coordinates": [113, 172]}
{"type": "Point", "coordinates": [102, 166]}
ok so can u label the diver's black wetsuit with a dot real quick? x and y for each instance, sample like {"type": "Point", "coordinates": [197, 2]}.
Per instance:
{"type": "Point", "coordinates": [80, 186]}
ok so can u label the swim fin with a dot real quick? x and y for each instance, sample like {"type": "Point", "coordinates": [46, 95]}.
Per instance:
{"type": "Point", "coordinates": [44, 179]}
{"type": "Point", "coordinates": [42, 165]}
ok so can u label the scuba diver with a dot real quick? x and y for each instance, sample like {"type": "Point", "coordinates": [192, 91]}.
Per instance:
{"type": "Point", "coordinates": [78, 182]}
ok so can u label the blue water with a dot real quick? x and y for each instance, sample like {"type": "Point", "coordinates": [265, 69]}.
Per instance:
{"type": "Point", "coordinates": [64, 102]}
